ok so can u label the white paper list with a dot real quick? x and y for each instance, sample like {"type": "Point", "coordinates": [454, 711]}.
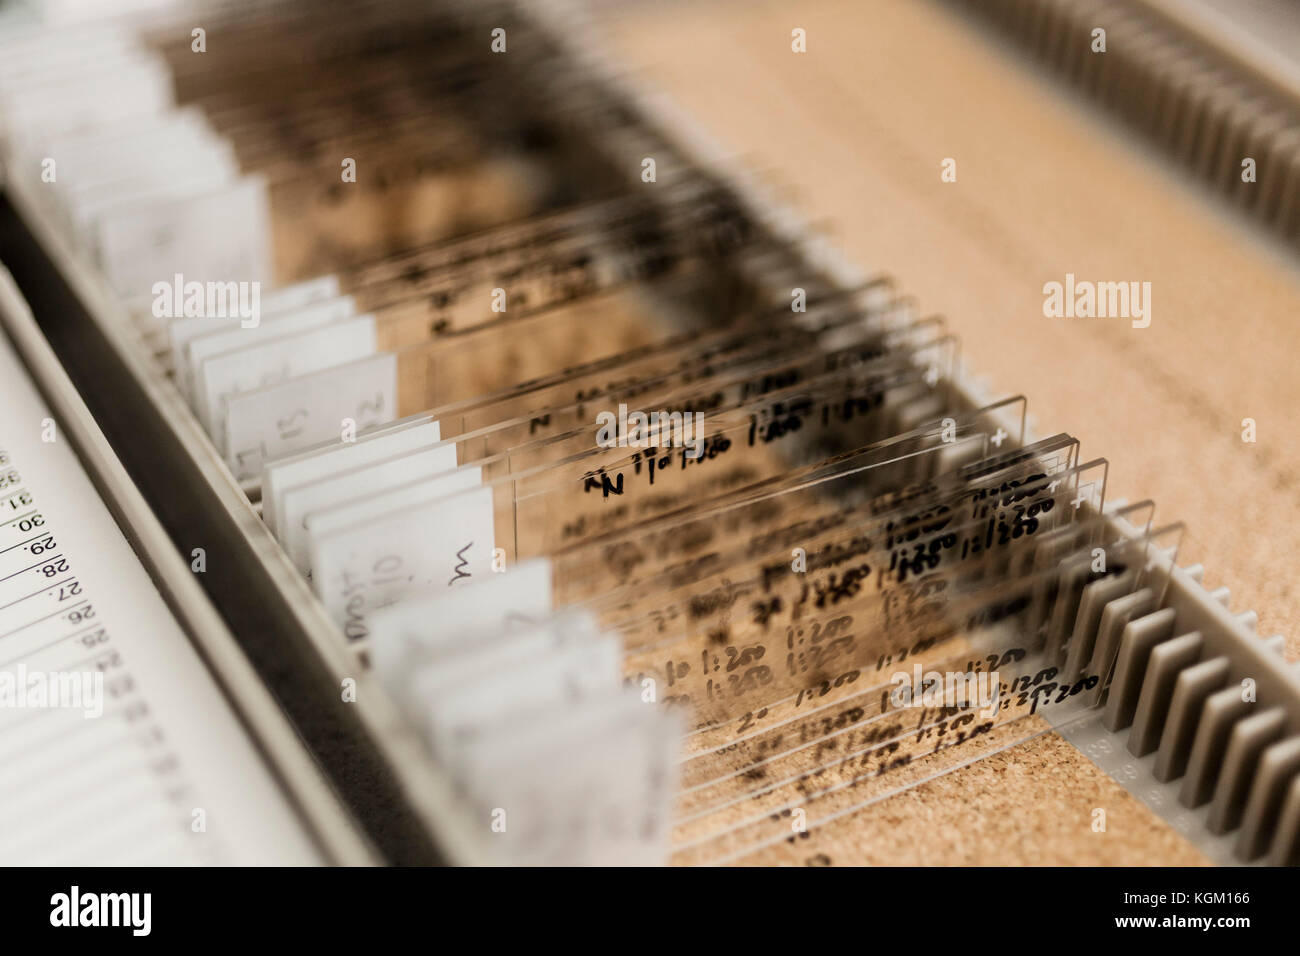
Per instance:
{"type": "Point", "coordinates": [116, 745]}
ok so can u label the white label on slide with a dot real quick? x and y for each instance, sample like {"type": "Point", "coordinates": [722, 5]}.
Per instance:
{"type": "Point", "coordinates": [216, 237]}
{"type": "Point", "coordinates": [519, 595]}
{"type": "Point", "coordinates": [348, 486]}
{"type": "Point", "coordinates": [279, 476]}
{"type": "Point", "coordinates": [445, 543]}
{"type": "Point", "coordinates": [275, 360]}
{"type": "Point", "coordinates": [272, 422]}
{"type": "Point", "coordinates": [187, 333]}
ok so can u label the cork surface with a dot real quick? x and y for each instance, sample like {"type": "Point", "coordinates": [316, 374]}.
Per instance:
{"type": "Point", "coordinates": [1034, 805]}
{"type": "Point", "coordinates": [853, 134]}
